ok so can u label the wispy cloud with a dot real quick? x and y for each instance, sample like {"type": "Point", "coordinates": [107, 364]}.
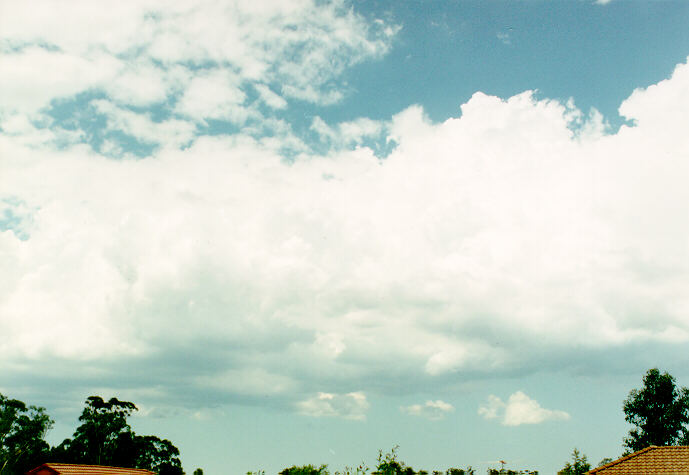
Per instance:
{"type": "Point", "coordinates": [347, 406]}
{"type": "Point", "coordinates": [203, 58]}
{"type": "Point", "coordinates": [432, 410]}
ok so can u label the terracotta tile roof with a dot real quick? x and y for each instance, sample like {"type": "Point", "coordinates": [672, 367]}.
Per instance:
{"type": "Point", "coordinates": [653, 460]}
{"type": "Point", "coordinates": [73, 469]}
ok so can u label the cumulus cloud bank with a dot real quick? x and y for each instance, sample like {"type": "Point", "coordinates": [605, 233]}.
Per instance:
{"type": "Point", "coordinates": [517, 229]}
{"type": "Point", "coordinates": [519, 409]}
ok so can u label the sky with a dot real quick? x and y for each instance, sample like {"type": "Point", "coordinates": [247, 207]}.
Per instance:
{"type": "Point", "coordinates": [304, 231]}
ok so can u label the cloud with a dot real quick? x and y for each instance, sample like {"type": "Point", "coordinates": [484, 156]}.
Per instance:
{"type": "Point", "coordinates": [249, 381]}
{"type": "Point", "coordinates": [493, 408]}
{"type": "Point", "coordinates": [270, 98]}
{"type": "Point", "coordinates": [349, 134]}
{"type": "Point", "coordinates": [518, 229]}
{"type": "Point", "coordinates": [347, 406]}
{"type": "Point", "coordinates": [23, 87]}
{"type": "Point", "coordinates": [651, 108]}
{"type": "Point", "coordinates": [519, 409]}
{"type": "Point", "coordinates": [196, 61]}
{"type": "Point", "coordinates": [273, 44]}
{"type": "Point", "coordinates": [171, 132]}
{"type": "Point", "coordinates": [214, 94]}
{"type": "Point", "coordinates": [432, 410]}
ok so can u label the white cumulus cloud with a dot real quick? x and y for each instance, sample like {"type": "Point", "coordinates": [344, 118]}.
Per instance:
{"type": "Point", "coordinates": [519, 409]}
{"type": "Point", "coordinates": [477, 245]}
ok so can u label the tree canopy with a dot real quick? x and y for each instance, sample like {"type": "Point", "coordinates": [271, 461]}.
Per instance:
{"type": "Point", "coordinates": [389, 465]}
{"type": "Point", "coordinates": [305, 470]}
{"type": "Point", "coordinates": [659, 410]}
{"type": "Point", "coordinates": [22, 433]}
{"type": "Point", "coordinates": [578, 466]}
{"type": "Point", "coordinates": [106, 438]}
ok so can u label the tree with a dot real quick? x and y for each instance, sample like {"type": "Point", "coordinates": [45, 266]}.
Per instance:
{"type": "Point", "coordinates": [106, 438]}
{"type": "Point", "coordinates": [579, 465]}
{"type": "Point", "coordinates": [158, 456]}
{"type": "Point", "coordinates": [198, 471]}
{"type": "Point", "coordinates": [22, 432]}
{"type": "Point", "coordinates": [659, 410]}
{"type": "Point", "coordinates": [104, 430]}
{"type": "Point", "coordinates": [459, 471]}
{"type": "Point", "coordinates": [389, 465]}
{"type": "Point", "coordinates": [305, 470]}
{"type": "Point", "coordinates": [361, 469]}
{"type": "Point", "coordinates": [504, 471]}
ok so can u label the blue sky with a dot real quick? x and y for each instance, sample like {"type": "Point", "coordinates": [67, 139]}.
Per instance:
{"type": "Point", "coordinates": [300, 232]}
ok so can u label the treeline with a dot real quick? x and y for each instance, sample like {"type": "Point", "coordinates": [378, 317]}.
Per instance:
{"type": "Point", "coordinates": [104, 437]}
{"type": "Point", "coordinates": [389, 464]}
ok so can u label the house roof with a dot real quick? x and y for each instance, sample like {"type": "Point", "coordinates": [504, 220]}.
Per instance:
{"type": "Point", "coordinates": [669, 460]}
{"type": "Point", "coordinates": [74, 469]}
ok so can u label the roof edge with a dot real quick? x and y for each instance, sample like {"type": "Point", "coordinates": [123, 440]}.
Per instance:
{"type": "Point", "coordinates": [55, 467]}
{"type": "Point", "coordinates": [93, 465]}
{"type": "Point", "coordinates": [630, 456]}
{"type": "Point", "coordinates": [41, 467]}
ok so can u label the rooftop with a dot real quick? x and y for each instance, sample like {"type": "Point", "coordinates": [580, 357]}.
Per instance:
{"type": "Point", "coordinates": [74, 469]}
{"type": "Point", "coordinates": [669, 460]}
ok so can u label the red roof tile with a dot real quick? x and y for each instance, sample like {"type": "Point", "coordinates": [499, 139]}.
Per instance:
{"type": "Point", "coordinates": [73, 469]}
{"type": "Point", "coordinates": [653, 460]}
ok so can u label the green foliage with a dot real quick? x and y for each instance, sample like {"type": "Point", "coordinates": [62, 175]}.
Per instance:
{"type": "Point", "coordinates": [389, 465]}
{"type": "Point", "coordinates": [361, 469]}
{"type": "Point", "coordinates": [22, 432]}
{"type": "Point", "coordinates": [579, 465]}
{"type": "Point", "coordinates": [158, 455]}
{"type": "Point", "coordinates": [305, 470]}
{"type": "Point", "coordinates": [103, 435]}
{"type": "Point", "coordinates": [459, 471]}
{"type": "Point", "coordinates": [198, 471]}
{"type": "Point", "coordinates": [502, 471]}
{"type": "Point", "coordinates": [105, 438]}
{"type": "Point", "coordinates": [659, 410]}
